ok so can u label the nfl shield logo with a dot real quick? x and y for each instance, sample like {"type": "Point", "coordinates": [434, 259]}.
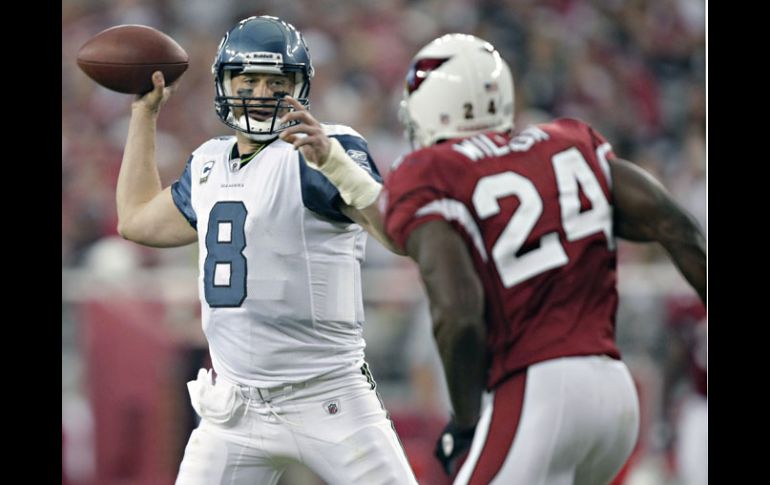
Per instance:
{"type": "Point", "coordinates": [332, 407]}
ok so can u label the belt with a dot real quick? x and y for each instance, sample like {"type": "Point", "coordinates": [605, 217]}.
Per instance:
{"type": "Point", "coordinates": [268, 393]}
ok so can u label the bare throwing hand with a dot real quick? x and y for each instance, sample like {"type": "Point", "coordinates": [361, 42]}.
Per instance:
{"type": "Point", "coordinates": [315, 145]}
{"type": "Point", "coordinates": [153, 100]}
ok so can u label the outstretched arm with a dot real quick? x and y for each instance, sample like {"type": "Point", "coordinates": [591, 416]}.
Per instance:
{"type": "Point", "coordinates": [645, 211]}
{"type": "Point", "coordinates": [147, 213]}
{"type": "Point", "coordinates": [457, 307]}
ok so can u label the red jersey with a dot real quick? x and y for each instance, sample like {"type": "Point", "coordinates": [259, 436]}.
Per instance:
{"type": "Point", "coordinates": [535, 209]}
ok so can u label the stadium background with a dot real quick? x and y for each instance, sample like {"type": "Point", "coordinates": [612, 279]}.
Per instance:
{"type": "Point", "coordinates": [130, 318]}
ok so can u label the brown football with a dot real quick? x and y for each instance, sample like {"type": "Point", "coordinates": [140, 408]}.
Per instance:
{"type": "Point", "coordinates": [123, 58]}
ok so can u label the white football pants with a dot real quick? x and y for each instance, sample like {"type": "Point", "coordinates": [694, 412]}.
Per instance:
{"type": "Point", "coordinates": [335, 425]}
{"type": "Point", "coordinates": [566, 421]}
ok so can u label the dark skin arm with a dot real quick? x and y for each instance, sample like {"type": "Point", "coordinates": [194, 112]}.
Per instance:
{"type": "Point", "coordinates": [457, 309]}
{"type": "Point", "coordinates": [644, 211]}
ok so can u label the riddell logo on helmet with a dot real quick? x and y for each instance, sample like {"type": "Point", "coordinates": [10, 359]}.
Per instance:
{"type": "Point", "coordinates": [262, 56]}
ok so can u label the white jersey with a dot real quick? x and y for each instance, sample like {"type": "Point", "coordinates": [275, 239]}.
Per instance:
{"type": "Point", "coordinates": [280, 275]}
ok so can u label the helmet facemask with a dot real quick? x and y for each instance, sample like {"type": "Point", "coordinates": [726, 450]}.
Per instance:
{"type": "Point", "coordinates": [227, 103]}
{"type": "Point", "coordinates": [411, 130]}
{"type": "Point", "coordinates": [265, 45]}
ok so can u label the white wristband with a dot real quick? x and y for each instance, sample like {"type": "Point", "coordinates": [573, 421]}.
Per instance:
{"type": "Point", "coordinates": [356, 185]}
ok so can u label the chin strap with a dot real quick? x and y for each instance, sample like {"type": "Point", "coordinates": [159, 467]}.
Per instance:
{"type": "Point", "coordinates": [264, 137]}
{"type": "Point", "coordinates": [357, 187]}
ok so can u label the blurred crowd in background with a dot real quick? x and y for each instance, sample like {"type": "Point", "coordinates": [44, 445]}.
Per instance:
{"type": "Point", "coordinates": [634, 69]}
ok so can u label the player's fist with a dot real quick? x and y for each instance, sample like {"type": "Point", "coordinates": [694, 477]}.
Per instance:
{"type": "Point", "coordinates": [452, 445]}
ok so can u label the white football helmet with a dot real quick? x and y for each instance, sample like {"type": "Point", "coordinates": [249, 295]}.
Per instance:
{"type": "Point", "coordinates": [458, 85]}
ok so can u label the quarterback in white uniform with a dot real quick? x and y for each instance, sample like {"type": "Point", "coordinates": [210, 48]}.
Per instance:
{"type": "Point", "coordinates": [280, 240]}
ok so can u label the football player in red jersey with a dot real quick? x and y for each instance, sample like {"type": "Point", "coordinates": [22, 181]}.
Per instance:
{"type": "Point", "coordinates": [514, 234]}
